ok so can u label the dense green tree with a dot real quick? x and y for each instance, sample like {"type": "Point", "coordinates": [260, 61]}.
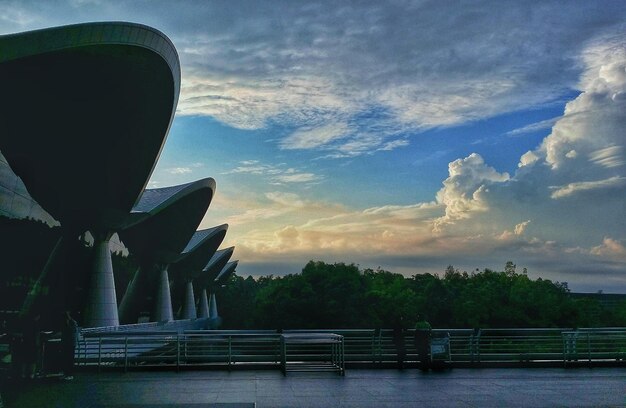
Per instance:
{"type": "Point", "coordinates": [341, 295]}
{"type": "Point", "coordinates": [388, 299]}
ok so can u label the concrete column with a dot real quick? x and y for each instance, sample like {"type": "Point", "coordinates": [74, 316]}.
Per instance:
{"type": "Point", "coordinates": [101, 307]}
{"type": "Point", "coordinates": [203, 307]}
{"type": "Point", "coordinates": [189, 306]}
{"type": "Point", "coordinates": [163, 304]}
{"type": "Point", "coordinates": [129, 306]}
{"type": "Point", "coordinates": [36, 290]}
{"type": "Point", "coordinates": [213, 307]}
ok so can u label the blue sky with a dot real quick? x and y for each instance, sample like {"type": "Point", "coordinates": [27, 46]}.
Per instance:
{"type": "Point", "coordinates": [403, 134]}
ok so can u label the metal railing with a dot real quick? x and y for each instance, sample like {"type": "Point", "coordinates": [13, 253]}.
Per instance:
{"type": "Point", "coordinates": [312, 352]}
{"type": "Point", "coordinates": [373, 347]}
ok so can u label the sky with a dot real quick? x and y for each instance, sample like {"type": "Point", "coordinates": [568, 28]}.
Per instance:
{"type": "Point", "coordinates": [406, 135]}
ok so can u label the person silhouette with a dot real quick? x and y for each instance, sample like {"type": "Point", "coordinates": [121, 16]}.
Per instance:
{"type": "Point", "coordinates": [69, 339]}
{"type": "Point", "coordinates": [398, 340]}
{"type": "Point", "coordinates": [423, 331]}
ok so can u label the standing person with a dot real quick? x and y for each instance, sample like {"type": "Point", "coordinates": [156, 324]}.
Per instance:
{"type": "Point", "coordinates": [31, 338]}
{"type": "Point", "coordinates": [69, 339]}
{"type": "Point", "coordinates": [422, 342]}
{"type": "Point", "coordinates": [398, 340]}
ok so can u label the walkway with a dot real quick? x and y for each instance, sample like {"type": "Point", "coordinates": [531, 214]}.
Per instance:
{"type": "Point", "coordinates": [535, 387]}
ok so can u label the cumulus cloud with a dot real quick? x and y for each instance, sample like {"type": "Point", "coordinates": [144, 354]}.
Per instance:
{"type": "Point", "coordinates": [463, 192]}
{"type": "Point", "coordinates": [527, 159]}
{"type": "Point", "coordinates": [573, 181]}
{"type": "Point", "coordinates": [592, 122]}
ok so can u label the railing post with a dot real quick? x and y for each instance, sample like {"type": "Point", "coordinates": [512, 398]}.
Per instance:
{"type": "Point", "coordinates": [177, 352]}
{"type": "Point", "coordinates": [99, 352]}
{"type": "Point", "coordinates": [84, 351]}
{"type": "Point", "coordinates": [375, 345]}
{"type": "Point", "coordinates": [230, 350]}
{"type": "Point", "coordinates": [343, 357]}
{"type": "Point", "coordinates": [564, 345]}
{"type": "Point", "coordinates": [283, 355]}
{"type": "Point", "coordinates": [126, 354]}
{"type": "Point", "coordinates": [589, 346]}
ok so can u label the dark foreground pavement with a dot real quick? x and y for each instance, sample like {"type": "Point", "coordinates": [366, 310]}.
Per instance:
{"type": "Point", "coordinates": [499, 387]}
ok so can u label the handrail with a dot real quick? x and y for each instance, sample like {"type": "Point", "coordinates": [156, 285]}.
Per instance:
{"type": "Point", "coordinates": [373, 347]}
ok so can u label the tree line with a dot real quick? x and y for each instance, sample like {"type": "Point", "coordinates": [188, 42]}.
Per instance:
{"type": "Point", "coordinates": [321, 296]}
{"type": "Point", "coordinates": [344, 296]}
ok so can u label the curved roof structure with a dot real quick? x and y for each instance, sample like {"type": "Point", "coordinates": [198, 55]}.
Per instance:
{"type": "Point", "coordinates": [226, 272]}
{"type": "Point", "coordinates": [84, 113]}
{"type": "Point", "coordinates": [214, 267]}
{"type": "Point", "coordinates": [15, 202]}
{"type": "Point", "coordinates": [198, 252]}
{"type": "Point", "coordinates": [165, 219]}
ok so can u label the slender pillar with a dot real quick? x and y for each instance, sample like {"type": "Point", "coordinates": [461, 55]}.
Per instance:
{"type": "Point", "coordinates": [213, 307]}
{"type": "Point", "coordinates": [203, 307]}
{"type": "Point", "coordinates": [36, 290]}
{"type": "Point", "coordinates": [163, 305]}
{"type": "Point", "coordinates": [101, 307]}
{"type": "Point", "coordinates": [129, 306]}
{"type": "Point", "coordinates": [189, 307]}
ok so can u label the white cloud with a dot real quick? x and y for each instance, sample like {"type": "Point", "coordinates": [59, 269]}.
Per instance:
{"type": "Point", "coordinates": [573, 181]}
{"type": "Point", "coordinates": [296, 178]}
{"type": "Point", "coordinates": [179, 170]}
{"type": "Point", "coordinates": [611, 156]}
{"type": "Point", "coordinates": [251, 167]}
{"type": "Point", "coordinates": [527, 159]}
{"type": "Point", "coordinates": [307, 138]}
{"type": "Point", "coordinates": [610, 248]}
{"type": "Point", "coordinates": [533, 127]}
{"type": "Point", "coordinates": [464, 191]}
{"type": "Point", "coordinates": [424, 65]}
{"type": "Point", "coordinates": [15, 16]}
{"type": "Point", "coordinates": [577, 187]}
{"type": "Point", "coordinates": [521, 227]}
{"type": "Point", "coordinates": [394, 144]}
{"type": "Point", "coordinates": [275, 174]}
{"type": "Point", "coordinates": [285, 199]}
{"type": "Point", "coordinates": [594, 121]}
{"type": "Point", "coordinates": [251, 103]}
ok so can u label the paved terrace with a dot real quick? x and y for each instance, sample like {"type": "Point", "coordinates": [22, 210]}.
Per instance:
{"type": "Point", "coordinates": [493, 387]}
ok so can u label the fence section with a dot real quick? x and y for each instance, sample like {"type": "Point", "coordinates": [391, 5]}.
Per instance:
{"type": "Point", "coordinates": [372, 347]}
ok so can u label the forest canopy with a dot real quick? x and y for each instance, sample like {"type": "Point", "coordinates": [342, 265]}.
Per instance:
{"type": "Point", "coordinates": [344, 296]}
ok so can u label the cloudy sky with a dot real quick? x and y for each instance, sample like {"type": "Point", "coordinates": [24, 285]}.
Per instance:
{"type": "Point", "coordinates": [403, 134]}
